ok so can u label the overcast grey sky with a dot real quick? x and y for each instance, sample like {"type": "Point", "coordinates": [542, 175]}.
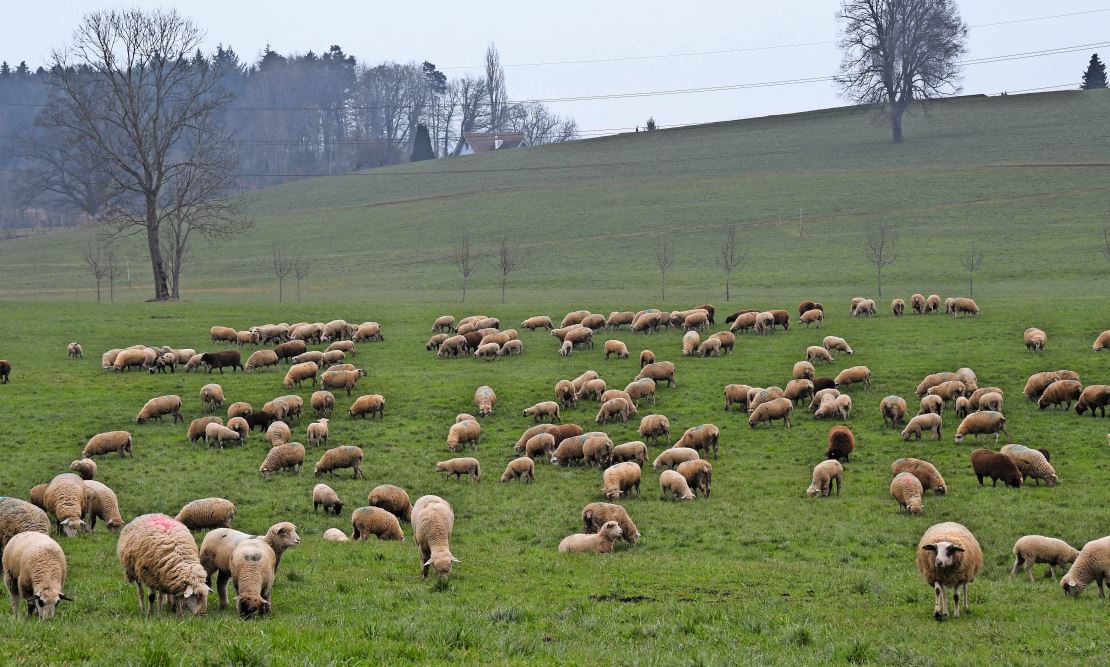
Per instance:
{"type": "Point", "coordinates": [532, 32]}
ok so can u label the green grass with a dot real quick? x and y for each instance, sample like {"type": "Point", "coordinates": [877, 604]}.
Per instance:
{"type": "Point", "coordinates": [759, 573]}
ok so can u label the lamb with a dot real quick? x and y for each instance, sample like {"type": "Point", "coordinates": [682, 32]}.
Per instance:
{"type": "Point", "coordinates": [510, 348]}
{"type": "Point", "coordinates": [75, 351]}
{"type": "Point", "coordinates": [160, 552]}
{"type": "Point", "coordinates": [854, 375]}
{"type": "Point", "coordinates": [335, 535]}
{"type": "Point", "coordinates": [698, 474]}
{"type": "Point", "coordinates": [207, 513]}
{"type": "Point", "coordinates": [929, 421]}
{"type": "Point", "coordinates": [278, 433]}
{"type": "Point", "coordinates": [703, 437]}
{"type": "Point", "coordinates": [193, 363]}
{"type": "Point", "coordinates": [907, 490]}
{"type": "Point", "coordinates": [155, 408]}
{"type": "Point", "coordinates": [333, 379]}
{"type": "Point", "coordinates": [85, 468]}
{"type": "Point", "coordinates": [523, 468]}
{"type": "Point", "coordinates": [893, 410]}
{"type": "Point", "coordinates": [654, 426]}
{"type": "Point", "coordinates": [596, 515]}
{"type": "Point", "coordinates": [997, 466]}
{"type": "Point", "coordinates": [811, 316]}
{"type": "Point", "coordinates": [197, 427]}
{"type": "Point", "coordinates": [65, 498]}
{"type": "Point", "coordinates": [461, 433]}
{"type": "Point", "coordinates": [261, 359]}
{"type": "Point", "coordinates": [642, 388]}
{"type": "Point", "coordinates": [367, 521]}
{"type": "Point", "coordinates": [392, 499]}
{"type": "Point", "coordinates": [34, 569]}
{"type": "Point", "coordinates": [283, 457]}
{"type": "Point", "coordinates": [635, 451]}
{"type": "Point", "coordinates": [162, 362]}
{"type": "Point", "coordinates": [432, 522]}
{"type": "Point", "coordinates": [252, 570]}
{"type": "Point", "coordinates": [1092, 564]}
{"type": "Point", "coordinates": [317, 433]}
{"type": "Point", "coordinates": [931, 404]}
{"type": "Point", "coordinates": [1032, 464]}
{"type": "Point", "coordinates": [620, 480]}
{"type": "Point", "coordinates": [460, 466]}
{"type": "Point", "coordinates": [798, 390]}
{"type": "Point", "coordinates": [216, 434]}
{"type": "Point", "coordinates": [345, 456]}
{"type": "Point", "coordinates": [614, 409]}
{"type": "Point", "coordinates": [659, 371]}
{"type": "Point", "coordinates": [323, 403]}
{"type": "Point", "coordinates": [646, 357]}
{"type": "Point", "coordinates": [1060, 391]}
{"type": "Point", "coordinates": [1095, 397]}
{"type": "Point", "coordinates": [736, 394]}
{"type": "Point", "coordinates": [948, 556]}
{"type": "Point", "coordinates": [963, 407]}
{"type": "Point", "coordinates": [925, 472]}
{"type": "Point", "coordinates": [18, 516]}
{"type": "Point", "coordinates": [600, 543]}
{"type": "Point", "coordinates": [1102, 342]}
{"type": "Point", "coordinates": [982, 422]}
{"type": "Point", "coordinates": [368, 404]}
{"type": "Point", "coordinates": [224, 359]}
{"type": "Point", "coordinates": [326, 497]}
{"type": "Point", "coordinates": [1032, 549]}
{"type": "Point", "coordinates": [1035, 339]}
{"type": "Point", "coordinates": [566, 349]}
{"type": "Point", "coordinates": [778, 408]}
{"type": "Point", "coordinates": [672, 484]}
{"type": "Point", "coordinates": [841, 443]}
{"type": "Point", "coordinates": [818, 354]}
{"type": "Point", "coordinates": [219, 546]}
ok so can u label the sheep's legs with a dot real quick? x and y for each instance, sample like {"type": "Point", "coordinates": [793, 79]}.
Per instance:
{"type": "Point", "coordinates": [14, 590]}
{"type": "Point", "coordinates": [940, 606]}
{"type": "Point", "coordinates": [142, 598]}
{"type": "Point", "coordinates": [956, 600]}
{"type": "Point", "coordinates": [221, 587]}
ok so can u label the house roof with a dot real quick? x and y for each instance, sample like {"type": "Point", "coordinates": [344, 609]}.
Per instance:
{"type": "Point", "coordinates": [484, 142]}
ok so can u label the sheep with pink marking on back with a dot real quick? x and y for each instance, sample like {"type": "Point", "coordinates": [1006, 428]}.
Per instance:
{"type": "Point", "coordinates": [160, 552]}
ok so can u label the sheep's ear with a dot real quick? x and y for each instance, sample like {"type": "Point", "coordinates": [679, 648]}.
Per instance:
{"type": "Point", "coordinates": [455, 560]}
{"type": "Point", "coordinates": [63, 596]}
{"type": "Point", "coordinates": [65, 522]}
{"type": "Point", "coordinates": [188, 592]}
{"type": "Point", "coordinates": [955, 549]}
{"type": "Point", "coordinates": [930, 547]}
{"type": "Point", "coordinates": [428, 562]}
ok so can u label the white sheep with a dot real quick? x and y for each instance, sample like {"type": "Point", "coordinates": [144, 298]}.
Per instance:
{"type": "Point", "coordinates": [1092, 564]}
{"type": "Point", "coordinates": [432, 523]}
{"type": "Point", "coordinates": [34, 569]}
{"type": "Point", "coordinates": [1032, 549]}
{"type": "Point", "coordinates": [317, 432]}
{"type": "Point", "coordinates": [948, 556]}
{"type": "Point", "coordinates": [160, 552]}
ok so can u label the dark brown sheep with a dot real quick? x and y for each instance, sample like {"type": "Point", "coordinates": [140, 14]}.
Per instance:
{"type": "Point", "coordinates": [841, 443]}
{"type": "Point", "coordinates": [5, 370]}
{"type": "Point", "coordinates": [823, 383]}
{"type": "Point", "coordinates": [290, 349]}
{"type": "Point", "coordinates": [782, 319]}
{"type": "Point", "coordinates": [709, 309]}
{"type": "Point", "coordinates": [996, 466]}
{"type": "Point", "coordinates": [732, 318]}
{"type": "Point", "coordinates": [225, 358]}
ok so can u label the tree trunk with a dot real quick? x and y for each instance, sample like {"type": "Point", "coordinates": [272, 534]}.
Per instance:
{"type": "Point", "coordinates": [896, 124]}
{"type": "Point", "coordinates": [503, 280]}
{"type": "Point", "coordinates": [726, 290]}
{"type": "Point", "coordinates": [663, 284]}
{"type": "Point", "coordinates": [464, 290]}
{"type": "Point", "coordinates": [175, 277]}
{"type": "Point", "coordinates": [161, 291]}
{"type": "Point", "coordinates": [879, 282]}
{"type": "Point", "coordinates": [98, 290]}
{"type": "Point", "coordinates": [281, 284]}
{"type": "Point", "coordinates": [111, 290]}
{"type": "Point", "coordinates": [971, 284]}
{"type": "Point", "coordinates": [298, 290]}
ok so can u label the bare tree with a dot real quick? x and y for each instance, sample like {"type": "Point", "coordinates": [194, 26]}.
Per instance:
{"type": "Point", "coordinates": [1106, 240]}
{"type": "Point", "coordinates": [664, 257]}
{"type": "Point", "coordinates": [300, 270]}
{"type": "Point", "coordinates": [282, 266]}
{"type": "Point", "coordinates": [731, 256]}
{"type": "Point", "coordinates": [96, 260]}
{"type": "Point", "coordinates": [469, 94]}
{"type": "Point", "coordinates": [495, 89]}
{"type": "Point", "coordinates": [509, 258]}
{"type": "Point", "coordinates": [465, 260]}
{"type": "Point", "coordinates": [972, 259]}
{"type": "Point", "coordinates": [899, 51]}
{"type": "Point", "coordinates": [127, 87]}
{"type": "Point", "coordinates": [882, 250]}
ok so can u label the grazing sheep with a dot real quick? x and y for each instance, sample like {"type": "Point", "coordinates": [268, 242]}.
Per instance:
{"type": "Point", "coordinates": [673, 457]}
{"type": "Point", "coordinates": [818, 353]}
{"type": "Point", "coordinates": [317, 433]}
{"type": "Point", "coordinates": [523, 468]}
{"type": "Point", "coordinates": [224, 335]}
{"type": "Point", "coordinates": [1092, 564]}
{"type": "Point", "coordinates": [367, 521]}
{"type": "Point", "coordinates": [543, 410]}
{"type": "Point", "coordinates": [898, 307]}
{"type": "Point", "coordinates": [392, 499]}
{"type": "Point", "coordinates": [37, 496]}
{"type": "Point", "coordinates": [283, 457]}
{"type": "Point", "coordinates": [808, 305]}
{"type": "Point", "coordinates": [510, 348]}
{"type": "Point", "coordinates": [432, 523]}
{"type": "Point", "coordinates": [997, 466]}
{"type": "Point", "coordinates": [323, 403]}
{"type": "Point", "coordinates": [34, 568]}
{"type": "Point", "coordinates": [778, 408]}
{"type": "Point", "coordinates": [831, 343]}
{"type": "Point", "coordinates": [841, 443]}
{"type": "Point", "coordinates": [326, 497]}
{"type": "Point", "coordinates": [654, 426]}
{"type": "Point", "coordinates": [125, 359]}
{"type": "Point", "coordinates": [758, 396]}
{"type": "Point", "coordinates": [592, 390]}
{"type": "Point", "coordinates": [929, 421]}
{"type": "Point", "coordinates": [933, 380]}
{"type": "Point", "coordinates": [990, 401]}
{"type": "Point", "coordinates": [85, 468]}
{"type": "Point", "coordinates": [906, 490]}
{"type": "Point", "coordinates": [736, 394]}
{"type": "Point", "coordinates": [537, 322]}
{"type": "Point", "coordinates": [298, 373]}
{"type": "Point", "coordinates": [973, 399]}
{"type": "Point", "coordinates": [728, 341]}
{"type": "Point", "coordinates": [616, 347]}
{"type": "Point", "coordinates": [982, 422]}
{"type": "Point", "coordinates": [615, 408]}
{"type": "Point", "coordinates": [620, 480]}
{"type": "Point", "coordinates": [565, 393]}
{"type": "Point", "coordinates": [598, 543]}
{"type": "Point", "coordinates": [18, 516]}
{"type": "Point", "coordinates": [931, 404]}
{"type": "Point", "coordinates": [826, 474]}
{"type": "Point", "coordinates": [798, 390]}
{"type": "Point", "coordinates": [261, 359]}
{"type": "Point", "coordinates": [765, 323]}
{"type": "Point", "coordinates": [252, 571]}
{"type": "Point", "coordinates": [75, 351]}
{"type": "Point", "coordinates": [1060, 391]}
{"type": "Point", "coordinates": [1032, 463]}
{"type": "Point", "coordinates": [344, 346]}
{"type": "Point", "coordinates": [460, 466]}
{"type": "Point", "coordinates": [566, 349]}
{"type": "Point", "coordinates": [238, 409]}
{"type": "Point", "coordinates": [948, 556]}
{"type": "Point", "coordinates": [461, 433]}
{"type": "Point", "coordinates": [541, 444]}
{"type": "Point", "coordinates": [690, 343]}
{"type": "Point", "coordinates": [642, 388]}
{"type": "Point", "coordinates": [673, 485]}
{"type": "Point", "coordinates": [452, 346]}
{"type": "Point", "coordinates": [65, 498]}
{"type": "Point", "coordinates": [1102, 342]}
{"type": "Point", "coordinates": [820, 396]}
{"type": "Point", "coordinates": [211, 396]}
{"type": "Point", "coordinates": [812, 316]}
{"type": "Point", "coordinates": [710, 347]}
{"type": "Point", "coordinates": [220, 545]}
{"type": "Point", "coordinates": [646, 357]}
{"type": "Point", "coordinates": [746, 321]}
{"type": "Point", "coordinates": [803, 370]}
{"type": "Point", "coordinates": [224, 359]}
{"type": "Point", "coordinates": [830, 408]}
{"type": "Point", "coordinates": [963, 305]}
{"type": "Point", "coordinates": [335, 379]}
{"type": "Point", "coordinates": [155, 408]}
{"type": "Point", "coordinates": [610, 394]}
{"type": "Point", "coordinates": [925, 472]}
{"type": "Point", "coordinates": [932, 304]}
{"type": "Point", "coordinates": [160, 552]}
{"type": "Point", "coordinates": [218, 434]}
{"type": "Point", "coordinates": [444, 323]}
{"type": "Point", "coordinates": [596, 448]}
{"type": "Point", "coordinates": [893, 410]}
{"type": "Point", "coordinates": [571, 449]}
{"type": "Point", "coordinates": [698, 474]}
{"type": "Point", "coordinates": [597, 515]}
{"type": "Point", "coordinates": [635, 451]}
{"type": "Point", "coordinates": [207, 513]}
{"type": "Point", "coordinates": [854, 375]}
{"type": "Point", "coordinates": [1032, 549]}
{"type": "Point", "coordinates": [1035, 339]}
{"type": "Point", "coordinates": [704, 437]}
{"type": "Point", "coordinates": [1095, 397]}
{"type": "Point", "coordinates": [484, 399]}
{"type": "Point", "coordinates": [583, 379]}
{"type": "Point", "coordinates": [278, 433]}
{"type": "Point", "coordinates": [617, 319]}
{"type": "Point", "coordinates": [917, 303]}
{"type": "Point", "coordinates": [368, 404]}
{"type": "Point", "coordinates": [963, 407]}
{"type": "Point", "coordinates": [344, 456]}
{"type": "Point", "coordinates": [435, 341]}
{"type": "Point", "coordinates": [659, 371]}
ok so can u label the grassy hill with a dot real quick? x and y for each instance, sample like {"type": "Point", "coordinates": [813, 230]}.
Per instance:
{"type": "Point", "coordinates": [1026, 175]}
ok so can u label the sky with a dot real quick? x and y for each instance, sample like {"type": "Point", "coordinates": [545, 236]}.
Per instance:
{"type": "Point", "coordinates": [765, 42]}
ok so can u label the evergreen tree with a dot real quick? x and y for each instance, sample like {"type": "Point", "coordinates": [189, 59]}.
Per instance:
{"type": "Point", "coordinates": [422, 144]}
{"type": "Point", "coordinates": [1095, 76]}
{"type": "Point", "coordinates": [5, 71]}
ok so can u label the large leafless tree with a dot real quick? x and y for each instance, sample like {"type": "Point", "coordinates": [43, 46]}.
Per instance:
{"type": "Point", "coordinates": [664, 257]}
{"type": "Point", "coordinates": [881, 250]}
{"type": "Point", "coordinates": [972, 259]}
{"type": "Point", "coordinates": [730, 256]}
{"type": "Point", "coordinates": [126, 88]}
{"type": "Point", "coordinates": [466, 261]}
{"type": "Point", "coordinates": [899, 51]}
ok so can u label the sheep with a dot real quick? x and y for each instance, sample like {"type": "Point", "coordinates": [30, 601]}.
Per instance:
{"type": "Point", "coordinates": [583, 379]}
{"type": "Point", "coordinates": [207, 513]}
{"type": "Point", "coordinates": [223, 334]}
{"type": "Point", "coordinates": [541, 444]}
{"type": "Point", "coordinates": [129, 358]}
{"type": "Point", "coordinates": [523, 468]}
{"type": "Point", "coordinates": [220, 545]}
{"type": "Point", "coordinates": [673, 457]}
{"type": "Point", "coordinates": [948, 391]}
{"type": "Point", "coordinates": [18, 516]}
{"type": "Point", "coordinates": [690, 343]}
{"type": "Point", "coordinates": [830, 408]}
{"type": "Point", "coordinates": [155, 408]}
{"type": "Point", "coordinates": [798, 390]}
{"type": "Point", "coordinates": [925, 472]}
{"type": "Point", "coordinates": [974, 398]}
{"type": "Point", "coordinates": [335, 535]}
{"type": "Point", "coordinates": [392, 499]}
{"type": "Point", "coordinates": [160, 552]}
{"type": "Point", "coordinates": [898, 307]}
{"type": "Point", "coordinates": [932, 304]}
{"type": "Point", "coordinates": [779, 408]}
{"type": "Point", "coordinates": [736, 394]}
{"type": "Point", "coordinates": [460, 466]}
{"type": "Point", "coordinates": [710, 347]}
{"type": "Point", "coordinates": [997, 466]}
{"type": "Point", "coordinates": [1035, 339]}
{"type": "Point", "coordinates": [283, 456]}
{"type": "Point", "coordinates": [599, 543]}
{"type": "Point", "coordinates": [917, 304]}
{"type": "Point", "coordinates": [933, 380]}
{"type": "Point", "coordinates": [252, 570]}
{"type": "Point", "coordinates": [344, 456]}
{"type": "Point", "coordinates": [367, 521]}
{"type": "Point", "coordinates": [642, 388]}
{"type": "Point", "coordinates": [820, 396]}
{"type": "Point", "coordinates": [278, 433]}
{"type": "Point", "coordinates": [224, 359]}
{"type": "Point", "coordinates": [646, 357]}
{"type": "Point", "coordinates": [610, 394]}
{"type": "Point", "coordinates": [34, 568]}
{"type": "Point", "coordinates": [635, 451]}
{"type": "Point", "coordinates": [261, 359]}
{"type": "Point", "coordinates": [698, 474]}
{"type": "Point", "coordinates": [368, 404]}
{"type": "Point", "coordinates": [432, 523]}
{"type": "Point", "coordinates": [1102, 342]}
{"type": "Point", "coordinates": [344, 346]}
{"type": "Point", "coordinates": [841, 443]}
{"type": "Point", "coordinates": [592, 390]}
{"type": "Point", "coordinates": [906, 490]}
{"type": "Point", "coordinates": [193, 363]}
{"type": "Point", "coordinates": [65, 498]}
{"type": "Point", "coordinates": [698, 319]}
{"type": "Point", "coordinates": [566, 349]}
{"type": "Point", "coordinates": [925, 422]}
{"type": "Point", "coordinates": [317, 433]}
{"type": "Point", "coordinates": [963, 305]}
{"type": "Point", "coordinates": [326, 497]}
{"type": "Point", "coordinates": [982, 422]}
{"type": "Point", "coordinates": [452, 346]}
{"type": "Point", "coordinates": [765, 323]}
{"type": "Point", "coordinates": [218, 434]}
{"type": "Point", "coordinates": [1032, 549]}
{"type": "Point", "coordinates": [831, 343]}
{"type": "Point", "coordinates": [566, 394]}
{"type": "Point", "coordinates": [484, 399]}
{"type": "Point", "coordinates": [673, 485]}
{"type": "Point", "coordinates": [812, 316]}
{"type": "Point", "coordinates": [893, 410]}
{"type": "Point", "coordinates": [614, 409]}
{"type": "Point", "coordinates": [510, 348]}
{"type": "Point", "coordinates": [537, 322]}
{"type": "Point", "coordinates": [948, 556]}
{"type": "Point", "coordinates": [617, 348]}
{"type": "Point", "coordinates": [1060, 391]}
{"type": "Point", "coordinates": [854, 375]}
{"type": "Point", "coordinates": [37, 496]}
{"type": "Point", "coordinates": [653, 426]}
{"type": "Point", "coordinates": [816, 353]}
{"type": "Point", "coordinates": [963, 407]}
{"type": "Point", "coordinates": [435, 341]}
{"type": "Point", "coordinates": [619, 480]}
{"type": "Point", "coordinates": [1095, 397]}
{"type": "Point", "coordinates": [1032, 463]}
{"type": "Point", "coordinates": [574, 317]}
{"type": "Point", "coordinates": [931, 404]}
{"type": "Point", "coordinates": [461, 433]}
{"type": "Point", "coordinates": [333, 357]}
{"type": "Point", "coordinates": [659, 371]}
{"type": "Point", "coordinates": [334, 379]}
{"type": "Point", "coordinates": [323, 403]}
{"type": "Point", "coordinates": [75, 351]}
{"type": "Point", "coordinates": [298, 373]}
{"type": "Point", "coordinates": [84, 468]}
{"type": "Point", "coordinates": [617, 319]}
{"type": "Point", "coordinates": [803, 370]}
{"type": "Point", "coordinates": [108, 359]}
{"type": "Point", "coordinates": [597, 515]}
{"type": "Point", "coordinates": [1092, 564]}
{"type": "Point", "coordinates": [703, 437]}
{"type": "Point", "coordinates": [570, 449]}
{"type": "Point", "coordinates": [444, 323]}
{"type": "Point", "coordinates": [746, 321]}
{"type": "Point", "coordinates": [596, 448]}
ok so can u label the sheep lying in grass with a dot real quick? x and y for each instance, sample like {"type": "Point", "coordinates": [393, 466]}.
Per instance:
{"type": "Point", "coordinates": [1102, 342]}
{"type": "Point", "coordinates": [1032, 549]}
{"type": "Point", "coordinates": [599, 543]}
{"type": "Point", "coordinates": [948, 556]}
{"type": "Point", "coordinates": [596, 515]}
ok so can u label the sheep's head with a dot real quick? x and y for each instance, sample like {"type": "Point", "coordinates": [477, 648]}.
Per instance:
{"type": "Point", "coordinates": [945, 554]}
{"type": "Point", "coordinates": [71, 527]}
{"type": "Point", "coordinates": [1070, 586]}
{"type": "Point", "coordinates": [611, 530]}
{"type": "Point", "coordinates": [959, 437]}
{"type": "Point", "coordinates": [195, 598]}
{"type": "Point", "coordinates": [283, 535]}
{"type": "Point", "coordinates": [251, 605]}
{"type": "Point", "coordinates": [442, 564]}
{"type": "Point", "coordinates": [913, 504]}
{"type": "Point", "coordinates": [813, 491]}
{"type": "Point", "coordinates": [46, 601]}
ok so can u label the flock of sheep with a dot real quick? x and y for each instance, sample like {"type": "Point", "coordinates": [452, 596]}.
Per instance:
{"type": "Point", "coordinates": [159, 552]}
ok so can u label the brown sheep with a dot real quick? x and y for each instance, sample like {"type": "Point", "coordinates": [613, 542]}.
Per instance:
{"type": "Point", "coordinates": [1102, 342]}
{"type": "Point", "coordinates": [798, 390]}
{"type": "Point", "coordinates": [778, 408]}
{"type": "Point", "coordinates": [367, 521]}
{"type": "Point", "coordinates": [523, 468]}
{"type": "Point", "coordinates": [812, 316]}
{"type": "Point", "coordinates": [842, 443]}
{"type": "Point", "coordinates": [566, 394]}
{"type": "Point", "coordinates": [704, 437]}
{"type": "Point", "coordinates": [893, 410]}
{"type": "Point", "coordinates": [659, 371]}
{"type": "Point", "coordinates": [616, 347]}
{"type": "Point", "coordinates": [1060, 391]}
{"type": "Point", "coordinates": [997, 466]}
{"type": "Point", "coordinates": [654, 427]}
{"type": "Point", "coordinates": [392, 499]}
{"type": "Point", "coordinates": [642, 388]}
{"type": "Point", "coordinates": [854, 375]}
{"type": "Point", "coordinates": [333, 379]}
{"type": "Point", "coordinates": [646, 357]}
{"type": "Point", "coordinates": [698, 474]}
{"type": "Point", "coordinates": [917, 304]}
{"type": "Point", "coordinates": [736, 394]}
{"type": "Point", "coordinates": [898, 307]}
{"type": "Point", "coordinates": [1095, 397]}
{"type": "Point", "coordinates": [344, 456]}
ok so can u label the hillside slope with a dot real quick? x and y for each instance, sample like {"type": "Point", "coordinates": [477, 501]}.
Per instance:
{"type": "Point", "coordinates": [1027, 175]}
